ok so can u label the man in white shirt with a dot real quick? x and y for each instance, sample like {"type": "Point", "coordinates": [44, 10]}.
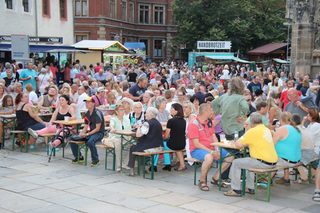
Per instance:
{"type": "Point", "coordinates": [81, 105]}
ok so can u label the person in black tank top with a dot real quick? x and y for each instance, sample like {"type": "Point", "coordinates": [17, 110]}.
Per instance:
{"type": "Point", "coordinates": [64, 110]}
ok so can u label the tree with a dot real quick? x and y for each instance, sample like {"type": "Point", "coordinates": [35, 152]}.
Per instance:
{"type": "Point", "coordinates": [247, 23]}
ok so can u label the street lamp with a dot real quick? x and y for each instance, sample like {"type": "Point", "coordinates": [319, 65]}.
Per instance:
{"type": "Point", "coordinates": [163, 48]}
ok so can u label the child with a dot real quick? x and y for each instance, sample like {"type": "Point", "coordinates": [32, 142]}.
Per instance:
{"type": "Point", "coordinates": [7, 108]}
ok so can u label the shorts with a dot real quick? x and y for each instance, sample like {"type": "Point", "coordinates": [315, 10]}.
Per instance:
{"type": "Point", "coordinates": [200, 154]}
{"type": "Point", "coordinates": [316, 164]}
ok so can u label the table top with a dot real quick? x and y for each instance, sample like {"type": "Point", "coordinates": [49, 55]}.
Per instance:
{"type": "Point", "coordinates": [227, 145]}
{"type": "Point", "coordinates": [8, 116]}
{"type": "Point", "coordinates": [125, 133]}
{"type": "Point", "coordinates": [70, 122]}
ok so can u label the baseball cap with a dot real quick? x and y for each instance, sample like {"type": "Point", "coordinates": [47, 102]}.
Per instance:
{"type": "Point", "coordinates": [89, 99]}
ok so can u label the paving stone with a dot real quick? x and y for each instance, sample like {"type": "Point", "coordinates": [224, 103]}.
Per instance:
{"type": "Point", "coordinates": [126, 201]}
{"type": "Point", "coordinates": [315, 208]}
{"type": "Point", "coordinates": [209, 206]}
{"type": "Point", "coordinates": [261, 206]}
{"type": "Point", "coordinates": [290, 210]}
{"type": "Point", "coordinates": [174, 199]}
{"type": "Point", "coordinates": [18, 203]}
{"type": "Point", "coordinates": [52, 209]}
{"type": "Point", "coordinates": [64, 185]}
{"type": "Point", "coordinates": [165, 208]}
{"type": "Point", "coordinates": [20, 186]}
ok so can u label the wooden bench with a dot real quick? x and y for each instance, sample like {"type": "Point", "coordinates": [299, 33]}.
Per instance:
{"type": "Point", "coordinates": [82, 145]}
{"type": "Point", "coordinates": [196, 164]}
{"type": "Point", "coordinates": [19, 133]}
{"type": "Point", "coordinates": [142, 157]}
{"type": "Point", "coordinates": [111, 150]}
{"type": "Point", "coordinates": [265, 174]}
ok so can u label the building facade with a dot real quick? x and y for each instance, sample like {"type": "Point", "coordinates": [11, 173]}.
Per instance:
{"type": "Point", "coordinates": [304, 18]}
{"type": "Point", "coordinates": [148, 21]}
{"type": "Point", "coordinates": [38, 18]}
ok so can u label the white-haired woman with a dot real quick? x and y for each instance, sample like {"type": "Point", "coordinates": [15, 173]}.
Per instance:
{"type": "Point", "coordinates": [149, 135]}
{"type": "Point", "coordinates": [137, 116]}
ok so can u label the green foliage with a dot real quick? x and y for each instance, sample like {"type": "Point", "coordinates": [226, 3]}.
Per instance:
{"type": "Point", "coordinates": [247, 23]}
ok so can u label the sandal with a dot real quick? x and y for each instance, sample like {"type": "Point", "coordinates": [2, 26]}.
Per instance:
{"type": "Point", "coordinates": [232, 193]}
{"type": "Point", "coordinates": [216, 182]}
{"type": "Point", "coordinates": [180, 169]}
{"type": "Point", "coordinates": [203, 186]}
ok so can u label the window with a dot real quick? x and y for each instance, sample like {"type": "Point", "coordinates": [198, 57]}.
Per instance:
{"type": "Point", "coordinates": [9, 4]}
{"type": "Point", "coordinates": [81, 8]}
{"type": "Point", "coordinates": [131, 12]}
{"type": "Point", "coordinates": [46, 7]}
{"type": "Point", "coordinates": [113, 8]}
{"type": "Point", "coordinates": [157, 50]}
{"type": "Point", "coordinates": [124, 10]}
{"type": "Point", "coordinates": [25, 4]}
{"type": "Point", "coordinates": [145, 41]}
{"type": "Point", "coordinates": [63, 9]}
{"type": "Point", "coordinates": [144, 13]}
{"type": "Point", "coordinates": [81, 37]}
{"type": "Point", "coordinates": [158, 14]}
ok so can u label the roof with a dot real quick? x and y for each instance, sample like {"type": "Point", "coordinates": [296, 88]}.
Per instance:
{"type": "Point", "coordinates": [97, 44]}
{"type": "Point", "coordinates": [228, 57]}
{"type": "Point", "coordinates": [268, 48]}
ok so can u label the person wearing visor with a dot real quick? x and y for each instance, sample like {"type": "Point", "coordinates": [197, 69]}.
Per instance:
{"type": "Point", "coordinates": [92, 132]}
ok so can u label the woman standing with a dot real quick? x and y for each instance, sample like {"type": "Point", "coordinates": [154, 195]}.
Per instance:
{"type": "Point", "coordinates": [176, 131]}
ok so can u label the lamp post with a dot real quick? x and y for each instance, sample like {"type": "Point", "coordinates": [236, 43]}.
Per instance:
{"type": "Point", "coordinates": [163, 49]}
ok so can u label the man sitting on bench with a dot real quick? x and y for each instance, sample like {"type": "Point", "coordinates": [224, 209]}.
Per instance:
{"type": "Point", "coordinates": [262, 155]}
{"type": "Point", "coordinates": [201, 134]}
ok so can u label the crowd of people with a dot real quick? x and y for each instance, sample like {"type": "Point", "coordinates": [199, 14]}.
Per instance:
{"type": "Point", "coordinates": [171, 105]}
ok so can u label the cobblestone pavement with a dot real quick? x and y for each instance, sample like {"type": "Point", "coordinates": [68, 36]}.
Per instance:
{"type": "Point", "coordinates": [28, 183]}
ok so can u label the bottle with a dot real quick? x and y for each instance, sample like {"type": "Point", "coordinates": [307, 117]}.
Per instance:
{"type": "Point", "coordinates": [236, 135]}
{"type": "Point", "coordinates": [133, 121]}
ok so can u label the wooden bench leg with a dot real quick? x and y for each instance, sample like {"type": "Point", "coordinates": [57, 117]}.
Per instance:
{"type": "Point", "coordinates": [243, 177]}
{"type": "Point", "coordinates": [27, 142]}
{"type": "Point", "coordinates": [268, 187]}
{"type": "Point", "coordinates": [85, 154]}
{"type": "Point", "coordinates": [13, 137]}
{"type": "Point", "coordinates": [195, 174]}
{"type": "Point", "coordinates": [139, 163]}
{"type": "Point", "coordinates": [152, 167]}
{"type": "Point", "coordinates": [143, 166]}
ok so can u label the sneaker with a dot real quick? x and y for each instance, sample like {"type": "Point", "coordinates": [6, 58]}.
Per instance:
{"type": "Point", "coordinates": [250, 191]}
{"type": "Point", "coordinates": [316, 197]}
{"type": "Point", "coordinates": [167, 168]}
{"type": "Point", "coordinates": [78, 160]}
{"type": "Point", "coordinates": [283, 181]}
{"type": "Point", "coordinates": [94, 163]}
{"type": "Point", "coordinates": [32, 133]}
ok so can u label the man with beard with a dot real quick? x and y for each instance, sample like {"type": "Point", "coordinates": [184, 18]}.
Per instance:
{"type": "Point", "coordinates": [48, 101]}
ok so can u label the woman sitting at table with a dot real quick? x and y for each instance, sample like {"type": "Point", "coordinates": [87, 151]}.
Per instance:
{"type": "Point", "coordinates": [137, 116]}
{"type": "Point", "coordinates": [176, 132]}
{"type": "Point", "coordinates": [287, 139]}
{"type": "Point", "coordinates": [7, 108]}
{"type": "Point", "coordinates": [64, 110]}
{"type": "Point", "coordinates": [26, 116]}
{"type": "Point", "coordinates": [149, 134]}
{"type": "Point", "coordinates": [117, 122]}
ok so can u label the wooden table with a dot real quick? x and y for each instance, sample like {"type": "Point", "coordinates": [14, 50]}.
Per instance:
{"type": "Point", "coordinates": [70, 122]}
{"type": "Point", "coordinates": [124, 140]}
{"type": "Point", "coordinates": [229, 145]}
{"type": "Point", "coordinates": [6, 119]}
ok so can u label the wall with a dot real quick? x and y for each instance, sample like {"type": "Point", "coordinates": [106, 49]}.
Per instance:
{"type": "Point", "coordinates": [54, 25]}
{"type": "Point", "coordinates": [17, 21]}
{"type": "Point", "coordinates": [88, 58]}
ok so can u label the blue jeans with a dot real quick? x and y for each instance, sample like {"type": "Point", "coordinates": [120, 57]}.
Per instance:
{"type": "Point", "coordinates": [91, 143]}
{"type": "Point", "coordinates": [166, 156]}
{"type": "Point", "coordinates": [37, 126]}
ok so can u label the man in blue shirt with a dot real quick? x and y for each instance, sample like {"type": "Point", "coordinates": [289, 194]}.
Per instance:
{"type": "Point", "coordinates": [29, 76]}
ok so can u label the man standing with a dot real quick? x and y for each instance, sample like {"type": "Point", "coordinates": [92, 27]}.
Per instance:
{"type": "Point", "coordinates": [201, 134]}
{"type": "Point", "coordinates": [254, 85]}
{"type": "Point", "coordinates": [297, 105]}
{"type": "Point", "coordinates": [82, 96]}
{"type": "Point", "coordinates": [92, 132]}
{"type": "Point", "coordinates": [262, 155]}
{"type": "Point", "coordinates": [29, 76]}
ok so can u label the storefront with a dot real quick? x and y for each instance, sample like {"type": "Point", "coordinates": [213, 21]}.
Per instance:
{"type": "Point", "coordinates": [101, 51]}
